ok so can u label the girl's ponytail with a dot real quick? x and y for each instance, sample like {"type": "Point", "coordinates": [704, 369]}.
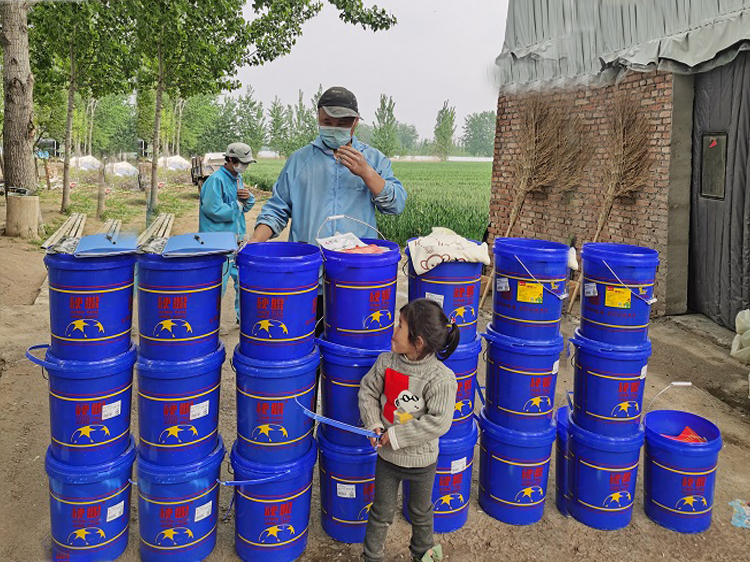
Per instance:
{"type": "Point", "coordinates": [451, 342]}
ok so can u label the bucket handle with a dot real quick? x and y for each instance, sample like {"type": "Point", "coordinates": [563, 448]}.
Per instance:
{"type": "Point", "coordinates": [550, 291]}
{"type": "Point", "coordinates": [649, 302]}
{"type": "Point", "coordinates": [41, 362]}
{"type": "Point", "coordinates": [479, 389]}
{"type": "Point", "coordinates": [684, 384]}
{"type": "Point", "coordinates": [335, 423]}
{"type": "Point", "coordinates": [253, 482]}
{"type": "Point", "coordinates": [337, 217]}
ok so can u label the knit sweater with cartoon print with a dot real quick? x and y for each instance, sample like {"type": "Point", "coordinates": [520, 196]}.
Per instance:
{"type": "Point", "coordinates": [413, 401]}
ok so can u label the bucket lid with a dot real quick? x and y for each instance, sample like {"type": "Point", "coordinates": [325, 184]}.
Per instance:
{"type": "Point", "coordinates": [622, 254]}
{"type": "Point", "coordinates": [175, 474]}
{"type": "Point", "coordinates": [457, 445]}
{"type": "Point", "coordinates": [162, 369]}
{"type": "Point", "coordinates": [609, 351]}
{"type": "Point", "coordinates": [658, 422]}
{"type": "Point", "coordinates": [97, 245]}
{"type": "Point", "coordinates": [467, 350]}
{"type": "Point", "coordinates": [200, 244]}
{"type": "Point", "coordinates": [272, 369]}
{"type": "Point", "coordinates": [605, 442]}
{"type": "Point", "coordinates": [343, 453]}
{"type": "Point", "coordinates": [517, 438]}
{"type": "Point", "coordinates": [549, 251]}
{"type": "Point", "coordinates": [76, 369]}
{"type": "Point", "coordinates": [88, 474]}
{"type": "Point", "coordinates": [331, 348]}
{"type": "Point", "coordinates": [526, 347]}
{"type": "Point", "coordinates": [392, 256]}
{"type": "Point", "coordinates": [280, 256]}
{"type": "Point", "coordinates": [294, 468]}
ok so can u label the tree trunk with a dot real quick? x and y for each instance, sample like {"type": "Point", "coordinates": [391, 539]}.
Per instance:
{"type": "Point", "coordinates": [23, 216]}
{"type": "Point", "coordinates": [65, 206]}
{"type": "Point", "coordinates": [180, 107]}
{"type": "Point", "coordinates": [18, 84]}
{"type": "Point", "coordinates": [101, 198]}
{"type": "Point", "coordinates": [154, 201]}
{"type": "Point", "coordinates": [93, 104]}
{"type": "Point", "coordinates": [46, 173]}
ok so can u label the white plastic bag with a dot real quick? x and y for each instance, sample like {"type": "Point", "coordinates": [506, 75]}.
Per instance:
{"type": "Point", "coordinates": [741, 343]}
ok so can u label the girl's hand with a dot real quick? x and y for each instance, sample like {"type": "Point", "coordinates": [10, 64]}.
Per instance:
{"type": "Point", "coordinates": [374, 441]}
{"type": "Point", "coordinates": [384, 440]}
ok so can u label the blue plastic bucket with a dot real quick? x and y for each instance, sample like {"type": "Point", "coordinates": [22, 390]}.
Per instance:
{"type": "Point", "coordinates": [452, 489]}
{"type": "Point", "coordinates": [278, 299]}
{"type": "Point", "coordinates": [90, 305]}
{"type": "Point", "coordinates": [272, 507]}
{"type": "Point", "coordinates": [456, 286]}
{"type": "Point", "coordinates": [602, 472]}
{"type": "Point", "coordinates": [90, 507]}
{"type": "Point", "coordinates": [617, 292]}
{"type": "Point", "coordinates": [179, 306]}
{"type": "Point", "coordinates": [178, 408]}
{"type": "Point", "coordinates": [347, 488]}
{"type": "Point", "coordinates": [178, 508]}
{"type": "Point", "coordinates": [561, 460]}
{"type": "Point", "coordinates": [271, 427]}
{"type": "Point", "coordinates": [342, 369]}
{"type": "Point", "coordinates": [464, 362]}
{"type": "Point", "coordinates": [680, 478]}
{"type": "Point", "coordinates": [521, 380]}
{"type": "Point", "coordinates": [513, 472]}
{"type": "Point", "coordinates": [609, 384]}
{"type": "Point", "coordinates": [360, 296]}
{"type": "Point", "coordinates": [89, 406]}
{"type": "Point", "coordinates": [530, 279]}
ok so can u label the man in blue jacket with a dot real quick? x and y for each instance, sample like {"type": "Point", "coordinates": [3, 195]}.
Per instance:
{"type": "Point", "coordinates": [223, 203]}
{"type": "Point", "coordinates": [336, 174]}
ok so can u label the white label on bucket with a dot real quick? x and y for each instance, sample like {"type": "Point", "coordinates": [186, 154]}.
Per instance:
{"type": "Point", "coordinates": [435, 297]}
{"type": "Point", "coordinates": [556, 367]}
{"type": "Point", "coordinates": [502, 284]}
{"type": "Point", "coordinates": [644, 371]}
{"type": "Point", "coordinates": [459, 465]}
{"type": "Point", "coordinates": [199, 410]}
{"type": "Point", "coordinates": [115, 511]}
{"type": "Point", "coordinates": [346, 490]}
{"type": "Point", "coordinates": [203, 511]}
{"type": "Point", "coordinates": [111, 410]}
{"type": "Point", "coordinates": [589, 290]}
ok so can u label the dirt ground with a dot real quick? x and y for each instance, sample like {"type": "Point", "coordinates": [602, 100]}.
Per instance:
{"type": "Point", "coordinates": [678, 356]}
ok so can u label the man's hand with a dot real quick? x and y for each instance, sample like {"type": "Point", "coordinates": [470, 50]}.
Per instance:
{"type": "Point", "coordinates": [375, 442]}
{"type": "Point", "coordinates": [243, 194]}
{"type": "Point", "coordinates": [355, 161]}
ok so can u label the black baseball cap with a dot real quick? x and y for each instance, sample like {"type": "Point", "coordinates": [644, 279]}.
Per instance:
{"type": "Point", "coordinates": [338, 102]}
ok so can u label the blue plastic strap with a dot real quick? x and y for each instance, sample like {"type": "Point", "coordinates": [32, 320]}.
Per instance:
{"type": "Point", "coordinates": [337, 424]}
{"type": "Point", "coordinates": [479, 389]}
{"type": "Point", "coordinates": [41, 362]}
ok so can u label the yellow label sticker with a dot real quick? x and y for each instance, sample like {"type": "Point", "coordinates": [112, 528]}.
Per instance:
{"type": "Point", "coordinates": [530, 292]}
{"type": "Point", "coordinates": [617, 297]}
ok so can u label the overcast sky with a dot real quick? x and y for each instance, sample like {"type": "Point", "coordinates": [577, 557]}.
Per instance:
{"type": "Point", "coordinates": [440, 49]}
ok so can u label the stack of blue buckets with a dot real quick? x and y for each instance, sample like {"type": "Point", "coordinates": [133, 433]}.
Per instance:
{"type": "Point", "coordinates": [456, 286]}
{"type": "Point", "coordinates": [360, 309]}
{"type": "Point", "coordinates": [276, 363]}
{"type": "Point", "coordinates": [602, 438]}
{"type": "Point", "coordinates": [180, 357]}
{"type": "Point", "coordinates": [524, 345]}
{"type": "Point", "coordinates": [90, 365]}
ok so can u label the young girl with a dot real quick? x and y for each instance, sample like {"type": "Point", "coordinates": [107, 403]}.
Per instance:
{"type": "Point", "coordinates": [408, 399]}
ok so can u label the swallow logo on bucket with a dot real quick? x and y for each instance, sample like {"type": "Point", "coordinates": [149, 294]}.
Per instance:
{"type": "Point", "coordinates": [279, 532]}
{"type": "Point", "coordinates": [623, 409]}
{"type": "Point", "coordinates": [448, 500]}
{"type": "Point", "coordinates": [461, 313]}
{"type": "Point", "coordinates": [532, 494]}
{"type": "Point", "coordinates": [536, 404]}
{"type": "Point", "coordinates": [269, 430]}
{"type": "Point", "coordinates": [84, 326]}
{"type": "Point", "coordinates": [269, 328]}
{"type": "Point", "coordinates": [167, 327]}
{"type": "Point", "coordinates": [174, 536]}
{"type": "Point", "coordinates": [617, 499]}
{"type": "Point", "coordinates": [175, 432]}
{"type": "Point", "coordinates": [90, 432]}
{"type": "Point", "coordinates": [375, 320]}
{"type": "Point", "coordinates": [364, 512]}
{"type": "Point", "coordinates": [691, 503]}
{"type": "Point", "coordinates": [461, 405]}
{"type": "Point", "coordinates": [86, 536]}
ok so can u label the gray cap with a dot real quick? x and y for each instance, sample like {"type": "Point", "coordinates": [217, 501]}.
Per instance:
{"type": "Point", "coordinates": [241, 152]}
{"type": "Point", "coordinates": [339, 102]}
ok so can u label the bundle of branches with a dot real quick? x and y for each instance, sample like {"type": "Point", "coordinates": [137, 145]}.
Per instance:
{"type": "Point", "coordinates": [628, 160]}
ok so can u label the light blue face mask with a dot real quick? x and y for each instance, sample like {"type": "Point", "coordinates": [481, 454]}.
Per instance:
{"type": "Point", "coordinates": [335, 137]}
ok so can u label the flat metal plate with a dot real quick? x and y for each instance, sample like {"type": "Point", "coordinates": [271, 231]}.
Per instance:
{"type": "Point", "coordinates": [200, 244]}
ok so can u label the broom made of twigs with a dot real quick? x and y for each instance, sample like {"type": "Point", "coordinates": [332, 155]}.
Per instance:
{"type": "Point", "coordinates": [628, 158]}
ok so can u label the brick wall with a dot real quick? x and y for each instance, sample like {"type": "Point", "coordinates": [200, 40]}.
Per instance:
{"type": "Point", "coordinates": [641, 219]}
